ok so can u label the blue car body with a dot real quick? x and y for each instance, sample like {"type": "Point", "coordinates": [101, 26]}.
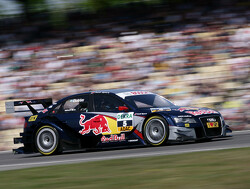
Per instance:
{"type": "Point", "coordinates": [116, 117]}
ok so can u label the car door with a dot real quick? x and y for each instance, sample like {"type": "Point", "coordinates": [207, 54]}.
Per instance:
{"type": "Point", "coordinates": [108, 105]}
{"type": "Point", "coordinates": [74, 111]}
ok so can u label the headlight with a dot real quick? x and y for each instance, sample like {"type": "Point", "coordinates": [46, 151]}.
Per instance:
{"type": "Point", "coordinates": [184, 120]}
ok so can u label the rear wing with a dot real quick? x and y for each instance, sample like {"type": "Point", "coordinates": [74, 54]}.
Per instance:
{"type": "Point", "coordinates": [10, 106]}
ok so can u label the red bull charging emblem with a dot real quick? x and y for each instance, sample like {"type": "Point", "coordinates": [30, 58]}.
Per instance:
{"type": "Point", "coordinates": [98, 124]}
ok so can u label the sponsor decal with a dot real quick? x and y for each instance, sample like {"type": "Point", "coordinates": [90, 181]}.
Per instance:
{"type": "Point", "coordinates": [132, 93]}
{"type": "Point", "coordinates": [28, 102]}
{"type": "Point", "coordinates": [32, 118]}
{"type": "Point", "coordinates": [159, 109]}
{"type": "Point", "coordinates": [77, 100]}
{"type": "Point", "coordinates": [125, 116]}
{"type": "Point", "coordinates": [113, 138]}
{"type": "Point", "coordinates": [133, 140]}
{"type": "Point", "coordinates": [187, 108]}
{"type": "Point", "coordinates": [124, 122]}
{"type": "Point", "coordinates": [70, 110]}
{"type": "Point", "coordinates": [140, 114]}
{"type": "Point", "coordinates": [139, 92]}
{"type": "Point", "coordinates": [125, 129]}
{"type": "Point", "coordinates": [184, 116]}
{"type": "Point", "coordinates": [98, 124]}
{"type": "Point", "coordinates": [212, 124]}
{"type": "Point", "coordinates": [45, 110]}
{"type": "Point", "coordinates": [201, 112]}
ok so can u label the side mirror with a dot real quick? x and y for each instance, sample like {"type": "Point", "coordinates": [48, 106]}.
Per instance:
{"type": "Point", "coordinates": [123, 108]}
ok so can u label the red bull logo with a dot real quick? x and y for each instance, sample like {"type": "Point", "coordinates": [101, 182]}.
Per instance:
{"type": "Point", "coordinates": [98, 124]}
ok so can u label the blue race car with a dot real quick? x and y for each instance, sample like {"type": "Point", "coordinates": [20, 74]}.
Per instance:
{"type": "Point", "coordinates": [109, 118]}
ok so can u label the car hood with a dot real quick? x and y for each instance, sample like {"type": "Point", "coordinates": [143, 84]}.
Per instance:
{"type": "Point", "coordinates": [188, 111]}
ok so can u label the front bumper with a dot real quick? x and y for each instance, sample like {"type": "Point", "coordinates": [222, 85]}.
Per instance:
{"type": "Point", "coordinates": [181, 133]}
{"type": "Point", "coordinates": [185, 134]}
{"type": "Point", "coordinates": [227, 130]}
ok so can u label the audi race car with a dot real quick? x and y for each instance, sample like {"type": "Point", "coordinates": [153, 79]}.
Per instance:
{"type": "Point", "coordinates": [107, 118]}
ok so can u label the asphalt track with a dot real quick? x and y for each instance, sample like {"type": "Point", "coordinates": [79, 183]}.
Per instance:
{"type": "Point", "coordinates": [10, 161]}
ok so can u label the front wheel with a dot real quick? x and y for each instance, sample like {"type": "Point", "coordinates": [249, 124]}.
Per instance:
{"type": "Point", "coordinates": [47, 140]}
{"type": "Point", "coordinates": [156, 131]}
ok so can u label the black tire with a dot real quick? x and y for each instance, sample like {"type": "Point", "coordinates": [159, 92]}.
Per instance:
{"type": "Point", "coordinates": [47, 140]}
{"type": "Point", "coordinates": [156, 131]}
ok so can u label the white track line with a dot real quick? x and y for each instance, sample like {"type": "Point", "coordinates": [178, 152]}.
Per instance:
{"type": "Point", "coordinates": [240, 132]}
{"type": "Point", "coordinates": [5, 152]}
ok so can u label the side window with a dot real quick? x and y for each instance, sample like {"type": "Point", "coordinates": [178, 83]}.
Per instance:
{"type": "Point", "coordinates": [106, 103]}
{"type": "Point", "coordinates": [56, 109]}
{"type": "Point", "coordinates": [76, 104]}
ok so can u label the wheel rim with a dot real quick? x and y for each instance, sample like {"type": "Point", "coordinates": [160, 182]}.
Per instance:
{"type": "Point", "coordinates": [155, 131]}
{"type": "Point", "coordinates": [46, 140]}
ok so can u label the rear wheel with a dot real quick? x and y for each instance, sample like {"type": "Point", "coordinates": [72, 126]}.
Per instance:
{"type": "Point", "coordinates": [47, 140]}
{"type": "Point", "coordinates": [156, 131]}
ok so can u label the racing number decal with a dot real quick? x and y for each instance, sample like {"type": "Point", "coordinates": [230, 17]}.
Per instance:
{"type": "Point", "coordinates": [125, 121]}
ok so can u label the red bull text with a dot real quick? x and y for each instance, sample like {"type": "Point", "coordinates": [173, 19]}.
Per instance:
{"type": "Point", "coordinates": [98, 124]}
{"type": "Point", "coordinates": [113, 138]}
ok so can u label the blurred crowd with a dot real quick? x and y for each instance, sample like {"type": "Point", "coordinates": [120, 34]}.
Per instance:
{"type": "Point", "coordinates": [193, 57]}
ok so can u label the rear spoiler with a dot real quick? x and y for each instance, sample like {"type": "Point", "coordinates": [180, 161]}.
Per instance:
{"type": "Point", "coordinates": [10, 106]}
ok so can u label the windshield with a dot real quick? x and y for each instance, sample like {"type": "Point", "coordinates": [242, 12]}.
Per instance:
{"type": "Point", "coordinates": [148, 101]}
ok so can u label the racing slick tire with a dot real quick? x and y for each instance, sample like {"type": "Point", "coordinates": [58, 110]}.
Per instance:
{"type": "Point", "coordinates": [156, 131]}
{"type": "Point", "coordinates": [47, 140]}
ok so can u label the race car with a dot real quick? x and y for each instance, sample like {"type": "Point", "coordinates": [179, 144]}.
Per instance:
{"type": "Point", "coordinates": [109, 118]}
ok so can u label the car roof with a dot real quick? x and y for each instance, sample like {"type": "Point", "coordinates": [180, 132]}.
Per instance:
{"type": "Point", "coordinates": [114, 91]}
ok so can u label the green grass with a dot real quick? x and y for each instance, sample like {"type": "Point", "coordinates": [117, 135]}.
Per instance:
{"type": "Point", "coordinates": [207, 170]}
